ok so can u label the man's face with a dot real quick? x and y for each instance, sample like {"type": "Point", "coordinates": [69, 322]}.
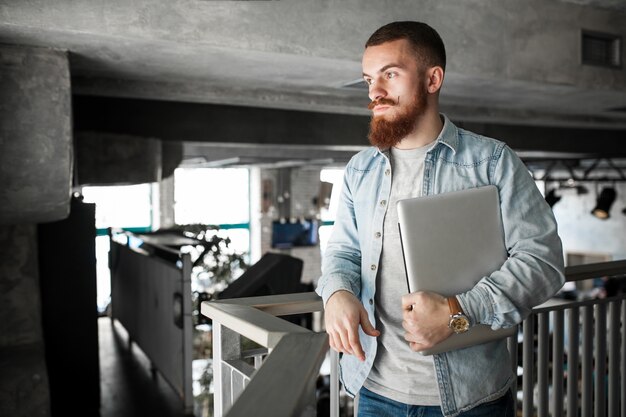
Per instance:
{"type": "Point", "coordinates": [397, 90]}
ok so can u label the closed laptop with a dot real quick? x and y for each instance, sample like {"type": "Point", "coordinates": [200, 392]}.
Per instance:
{"type": "Point", "coordinates": [450, 241]}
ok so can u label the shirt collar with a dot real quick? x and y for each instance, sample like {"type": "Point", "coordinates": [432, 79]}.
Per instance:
{"type": "Point", "coordinates": [449, 135]}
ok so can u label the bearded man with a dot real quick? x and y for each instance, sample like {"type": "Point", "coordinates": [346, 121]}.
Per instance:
{"type": "Point", "coordinates": [369, 318]}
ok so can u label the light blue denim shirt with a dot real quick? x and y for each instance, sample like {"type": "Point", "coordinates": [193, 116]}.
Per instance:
{"type": "Point", "coordinates": [531, 275]}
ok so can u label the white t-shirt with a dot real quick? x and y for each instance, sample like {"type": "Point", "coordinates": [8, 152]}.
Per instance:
{"type": "Point", "coordinates": [399, 373]}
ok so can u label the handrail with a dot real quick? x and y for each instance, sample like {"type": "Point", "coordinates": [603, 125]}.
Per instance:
{"type": "Point", "coordinates": [256, 325]}
{"type": "Point", "coordinates": [595, 270]}
{"type": "Point", "coordinates": [281, 305]}
{"type": "Point", "coordinates": [296, 353]}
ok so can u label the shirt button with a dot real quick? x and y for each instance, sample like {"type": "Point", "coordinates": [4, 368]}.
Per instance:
{"type": "Point", "coordinates": [378, 234]}
{"type": "Point", "coordinates": [382, 203]}
{"type": "Point", "coordinates": [387, 171]}
{"type": "Point", "coordinates": [373, 267]}
{"type": "Point", "coordinates": [371, 301]}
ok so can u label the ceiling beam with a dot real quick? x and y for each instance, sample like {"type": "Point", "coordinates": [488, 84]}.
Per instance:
{"type": "Point", "coordinates": [211, 123]}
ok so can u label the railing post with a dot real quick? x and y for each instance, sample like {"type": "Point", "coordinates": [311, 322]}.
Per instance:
{"type": "Point", "coordinates": [528, 365]}
{"type": "Point", "coordinates": [543, 335]}
{"type": "Point", "coordinates": [623, 364]}
{"type": "Point", "coordinates": [614, 359]}
{"type": "Point", "coordinates": [599, 401]}
{"type": "Point", "coordinates": [334, 383]}
{"type": "Point", "coordinates": [587, 363]}
{"type": "Point", "coordinates": [557, 364]}
{"type": "Point", "coordinates": [572, 361]}
{"type": "Point", "coordinates": [226, 346]}
{"type": "Point", "coordinates": [188, 398]}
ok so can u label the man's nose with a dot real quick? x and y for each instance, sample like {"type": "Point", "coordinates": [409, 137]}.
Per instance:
{"type": "Point", "coordinates": [376, 92]}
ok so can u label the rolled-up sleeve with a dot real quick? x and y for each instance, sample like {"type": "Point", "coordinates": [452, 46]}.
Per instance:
{"type": "Point", "coordinates": [534, 270]}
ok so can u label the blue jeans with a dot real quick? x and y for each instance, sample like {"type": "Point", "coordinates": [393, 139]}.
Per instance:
{"type": "Point", "coordinates": [374, 405]}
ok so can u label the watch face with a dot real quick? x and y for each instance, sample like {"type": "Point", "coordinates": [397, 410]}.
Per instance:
{"type": "Point", "coordinates": [459, 324]}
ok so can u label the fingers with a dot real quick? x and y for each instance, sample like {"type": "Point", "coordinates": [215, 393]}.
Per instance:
{"type": "Point", "coordinates": [355, 344]}
{"type": "Point", "coordinates": [366, 325]}
{"type": "Point", "coordinates": [346, 341]}
{"type": "Point", "coordinates": [344, 313]}
{"type": "Point", "coordinates": [417, 345]}
{"type": "Point", "coordinates": [408, 300]}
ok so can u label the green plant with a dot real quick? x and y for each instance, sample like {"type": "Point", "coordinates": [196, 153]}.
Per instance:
{"type": "Point", "coordinates": [215, 263]}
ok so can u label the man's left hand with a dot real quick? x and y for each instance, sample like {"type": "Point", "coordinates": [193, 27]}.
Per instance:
{"type": "Point", "coordinates": [426, 316]}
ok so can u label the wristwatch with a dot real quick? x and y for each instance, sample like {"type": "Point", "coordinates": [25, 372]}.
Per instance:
{"type": "Point", "coordinates": [459, 322]}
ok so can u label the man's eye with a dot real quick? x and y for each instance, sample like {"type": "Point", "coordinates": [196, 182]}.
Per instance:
{"type": "Point", "coordinates": [368, 81]}
{"type": "Point", "coordinates": [391, 75]}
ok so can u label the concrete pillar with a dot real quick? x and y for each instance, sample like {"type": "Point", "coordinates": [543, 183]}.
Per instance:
{"type": "Point", "coordinates": [36, 165]}
{"type": "Point", "coordinates": [23, 374]}
{"type": "Point", "coordinates": [35, 135]}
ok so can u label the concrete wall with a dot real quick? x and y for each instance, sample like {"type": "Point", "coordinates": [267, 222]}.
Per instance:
{"type": "Point", "coordinates": [583, 233]}
{"type": "Point", "coordinates": [35, 135]}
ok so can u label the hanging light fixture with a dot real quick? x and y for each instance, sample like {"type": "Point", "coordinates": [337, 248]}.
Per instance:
{"type": "Point", "coordinates": [552, 198]}
{"type": "Point", "coordinates": [604, 203]}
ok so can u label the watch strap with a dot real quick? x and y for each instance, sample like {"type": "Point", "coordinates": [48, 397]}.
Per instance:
{"type": "Point", "coordinates": [455, 307]}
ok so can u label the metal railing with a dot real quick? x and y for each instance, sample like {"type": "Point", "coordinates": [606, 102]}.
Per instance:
{"type": "Point", "coordinates": [562, 373]}
{"type": "Point", "coordinates": [566, 374]}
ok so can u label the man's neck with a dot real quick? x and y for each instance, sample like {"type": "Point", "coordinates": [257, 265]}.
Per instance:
{"type": "Point", "coordinates": [427, 129]}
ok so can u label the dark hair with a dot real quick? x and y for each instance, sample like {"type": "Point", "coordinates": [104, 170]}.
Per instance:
{"type": "Point", "coordinates": [425, 40]}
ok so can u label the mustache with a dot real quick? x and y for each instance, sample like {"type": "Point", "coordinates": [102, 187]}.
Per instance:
{"type": "Point", "coordinates": [382, 102]}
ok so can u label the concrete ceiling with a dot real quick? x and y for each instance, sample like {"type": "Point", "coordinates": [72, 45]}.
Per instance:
{"type": "Point", "coordinates": [615, 5]}
{"type": "Point", "coordinates": [510, 62]}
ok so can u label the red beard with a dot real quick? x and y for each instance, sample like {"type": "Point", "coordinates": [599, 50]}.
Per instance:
{"type": "Point", "coordinates": [387, 133]}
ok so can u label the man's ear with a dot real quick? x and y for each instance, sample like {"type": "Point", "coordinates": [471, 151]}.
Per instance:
{"type": "Point", "coordinates": [434, 79]}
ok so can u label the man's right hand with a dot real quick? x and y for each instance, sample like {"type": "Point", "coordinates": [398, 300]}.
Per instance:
{"type": "Point", "coordinates": [342, 315]}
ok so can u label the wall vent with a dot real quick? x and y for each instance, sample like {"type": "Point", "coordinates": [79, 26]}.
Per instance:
{"type": "Point", "coordinates": [601, 49]}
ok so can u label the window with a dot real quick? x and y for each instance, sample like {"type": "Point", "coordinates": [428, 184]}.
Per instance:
{"type": "Point", "coordinates": [121, 206]}
{"type": "Point", "coordinates": [215, 196]}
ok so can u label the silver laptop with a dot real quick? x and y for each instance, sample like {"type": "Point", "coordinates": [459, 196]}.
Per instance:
{"type": "Point", "coordinates": [450, 241]}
